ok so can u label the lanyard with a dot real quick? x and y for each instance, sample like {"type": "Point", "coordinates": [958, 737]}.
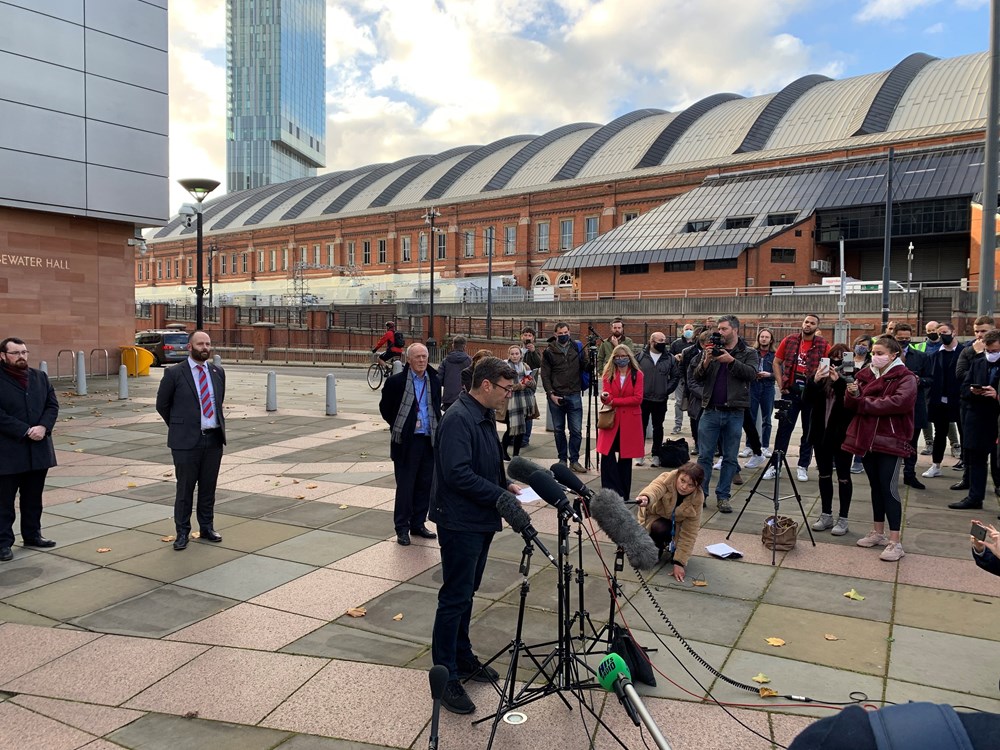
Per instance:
{"type": "Point", "coordinates": [420, 394]}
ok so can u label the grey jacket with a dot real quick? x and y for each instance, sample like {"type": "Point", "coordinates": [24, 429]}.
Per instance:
{"type": "Point", "coordinates": [742, 372]}
{"type": "Point", "coordinates": [659, 378]}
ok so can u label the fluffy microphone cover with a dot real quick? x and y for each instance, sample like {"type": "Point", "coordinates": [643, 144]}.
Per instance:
{"type": "Point", "coordinates": [512, 512]}
{"type": "Point", "coordinates": [520, 469]}
{"type": "Point", "coordinates": [608, 509]}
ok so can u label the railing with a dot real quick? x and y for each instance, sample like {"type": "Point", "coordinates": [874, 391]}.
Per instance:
{"type": "Point", "coordinates": [72, 362]}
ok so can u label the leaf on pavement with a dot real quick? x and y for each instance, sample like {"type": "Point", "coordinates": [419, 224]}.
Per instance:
{"type": "Point", "coordinates": [344, 507]}
{"type": "Point", "coordinates": [131, 485]}
{"type": "Point", "coordinates": [852, 594]}
{"type": "Point", "coordinates": [830, 637]}
{"type": "Point", "coordinates": [300, 497]}
{"type": "Point", "coordinates": [761, 678]}
{"type": "Point", "coordinates": [766, 692]}
{"type": "Point", "coordinates": [169, 538]}
{"type": "Point", "coordinates": [196, 535]}
{"type": "Point", "coordinates": [103, 549]}
{"type": "Point", "coordinates": [775, 642]}
{"type": "Point", "coordinates": [398, 617]}
{"type": "Point", "coordinates": [357, 611]}
{"type": "Point", "coordinates": [311, 486]}
{"type": "Point", "coordinates": [699, 582]}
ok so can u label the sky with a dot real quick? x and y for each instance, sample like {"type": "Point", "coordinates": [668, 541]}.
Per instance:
{"type": "Point", "coordinates": [408, 77]}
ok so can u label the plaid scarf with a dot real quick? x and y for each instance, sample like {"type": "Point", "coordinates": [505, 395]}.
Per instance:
{"type": "Point", "coordinates": [408, 402]}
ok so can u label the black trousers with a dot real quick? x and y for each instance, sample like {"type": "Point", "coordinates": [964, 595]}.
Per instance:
{"type": "Point", "coordinates": [910, 462]}
{"type": "Point", "coordinates": [656, 411]}
{"type": "Point", "coordinates": [413, 469]}
{"type": "Point", "coordinates": [827, 460]}
{"type": "Point", "coordinates": [197, 466]}
{"type": "Point", "coordinates": [750, 430]}
{"type": "Point", "coordinates": [616, 472]}
{"type": "Point", "coordinates": [787, 425]}
{"type": "Point", "coordinates": [883, 476]}
{"type": "Point", "coordinates": [941, 437]}
{"type": "Point", "coordinates": [30, 485]}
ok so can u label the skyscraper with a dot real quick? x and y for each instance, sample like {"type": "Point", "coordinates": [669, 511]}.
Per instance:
{"type": "Point", "coordinates": [275, 81]}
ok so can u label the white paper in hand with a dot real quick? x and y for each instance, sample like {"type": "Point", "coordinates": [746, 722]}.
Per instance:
{"type": "Point", "coordinates": [527, 495]}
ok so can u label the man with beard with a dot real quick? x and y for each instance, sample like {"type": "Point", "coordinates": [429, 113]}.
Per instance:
{"type": "Point", "coordinates": [28, 412]}
{"type": "Point", "coordinates": [189, 400]}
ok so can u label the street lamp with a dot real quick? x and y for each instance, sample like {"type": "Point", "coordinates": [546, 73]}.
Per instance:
{"type": "Point", "coordinates": [199, 189]}
{"type": "Point", "coordinates": [429, 217]}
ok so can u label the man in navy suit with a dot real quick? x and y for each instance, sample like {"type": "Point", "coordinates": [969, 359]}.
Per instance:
{"type": "Point", "coordinates": [190, 400]}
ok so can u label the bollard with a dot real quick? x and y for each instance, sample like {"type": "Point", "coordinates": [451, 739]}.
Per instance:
{"type": "Point", "coordinates": [217, 360]}
{"type": "Point", "coordinates": [272, 391]}
{"type": "Point", "coordinates": [81, 374]}
{"type": "Point", "coordinates": [44, 366]}
{"type": "Point", "coordinates": [122, 383]}
{"type": "Point", "coordinates": [397, 367]}
{"type": "Point", "coordinates": [331, 395]}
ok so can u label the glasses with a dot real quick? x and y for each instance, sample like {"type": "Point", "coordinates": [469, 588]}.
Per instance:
{"type": "Point", "coordinates": [508, 388]}
{"type": "Point", "coordinates": [18, 354]}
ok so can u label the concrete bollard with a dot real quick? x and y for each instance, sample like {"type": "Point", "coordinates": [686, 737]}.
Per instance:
{"type": "Point", "coordinates": [272, 391]}
{"type": "Point", "coordinates": [122, 383]}
{"type": "Point", "coordinates": [331, 395]}
{"type": "Point", "coordinates": [217, 360]}
{"type": "Point", "coordinates": [397, 366]}
{"type": "Point", "coordinates": [44, 366]}
{"type": "Point", "coordinates": [81, 374]}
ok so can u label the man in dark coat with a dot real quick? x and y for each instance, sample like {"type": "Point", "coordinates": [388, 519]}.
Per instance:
{"type": "Point", "coordinates": [450, 371]}
{"type": "Point", "coordinates": [661, 373]}
{"type": "Point", "coordinates": [28, 413]}
{"type": "Point", "coordinates": [190, 400]}
{"type": "Point", "coordinates": [411, 406]}
{"type": "Point", "coordinates": [919, 364]}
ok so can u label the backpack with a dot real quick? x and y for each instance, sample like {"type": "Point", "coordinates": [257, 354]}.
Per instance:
{"type": "Point", "coordinates": [398, 340]}
{"type": "Point", "coordinates": [584, 367]}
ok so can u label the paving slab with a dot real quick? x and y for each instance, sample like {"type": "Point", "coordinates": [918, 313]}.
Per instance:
{"type": "Point", "coordinates": [314, 515]}
{"type": "Point", "coordinates": [947, 611]}
{"type": "Point", "coordinates": [23, 617]}
{"type": "Point", "coordinates": [26, 647]}
{"type": "Point", "coordinates": [164, 732]}
{"type": "Point", "coordinates": [416, 605]}
{"type": "Point", "coordinates": [335, 641]}
{"type": "Point", "coordinates": [373, 523]}
{"type": "Point", "coordinates": [119, 546]}
{"type": "Point", "coordinates": [390, 560]}
{"type": "Point", "coordinates": [30, 571]}
{"type": "Point", "coordinates": [939, 543]}
{"type": "Point", "coordinates": [93, 506]}
{"type": "Point", "coordinates": [930, 658]}
{"type": "Point", "coordinates": [499, 578]}
{"type": "Point", "coordinates": [21, 727]}
{"type": "Point", "coordinates": [249, 626]}
{"type": "Point", "coordinates": [902, 692]}
{"type": "Point", "coordinates": [715, 619]}
{"type": "Point", "coordinates": [255, 506]}
{"type": "Point", "coordinates": [156, 613]}
{"type": "Point", "coordinates": [824, 592]}
{"type": "Point", "coordinates": [96, 720]}
{"type": "Point", "coordinates": [245, 577]}
{"type": "Point", "coordinates": [312, 742]}
{"type": "Point", "coordinates": [252, 535]}
{"type": "Point", "coordinates": [324, 594]}
{"type": "Point", "coordinates": [317, 547]}
{"type": "Point", "coordinates": [72, 532]}
{"type": "Point", "coordinates": [167, 565]}
{"type": "Point", "coordinates": [165, 527]}
{"type": "Point", "coordinates": [139, 515]}
{"type": "Point", "coordinates": [81, 594]}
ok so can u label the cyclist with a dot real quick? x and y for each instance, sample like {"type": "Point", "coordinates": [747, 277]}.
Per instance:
{"type": "Point", "coordinates": [394, 343]}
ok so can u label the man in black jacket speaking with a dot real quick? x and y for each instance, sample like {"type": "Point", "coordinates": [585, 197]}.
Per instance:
{"type": "Point", "coordinates": [468, 480]}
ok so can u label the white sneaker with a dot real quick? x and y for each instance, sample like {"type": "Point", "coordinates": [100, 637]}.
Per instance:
{"type": "Point", "coordinates": [892, 552]}
{"type": "Point", "coordinates": [934, 471]}
{"type": "Point", "coordinates": [717, 465]}
{"type": "Point", "coordinates": [746, 453]}
{"type": "Point", "coordinates": [641, 461]}
{"type": "Point", "coordinates": [770, 473]}
{"type": "Point", "coordinates": [767, 453]}
{"type": "Point", "coordinates": [956, 452]}
{"type": "Point", "coordinates": [873, 539]}
{"type": "Point", "coordinates": [655, 462]}
{"type": "Point", "coordinates": [840, 528]}
{"type": "Point", "coordinates": [756, 461]}
{"type": "Point", "coordinates": [801, 474]}
{"type": "Point", "coordinates": [824, 522]}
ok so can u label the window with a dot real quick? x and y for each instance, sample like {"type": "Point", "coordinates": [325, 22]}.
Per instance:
{"type": "Point", "coordinates": [245, 263]}
{"type": "Point", "coordinates": [442, 243]}
{"type": "Point", "coordinates": [698, 226]}
{"type": "Point", "coordinates": [190, 269]}
{"type": "Point", "coordinates": [316, 256]}
{"type": "Point", "coordinates": [351, 258]}
{"type": "Point", "coordinates": [629, 215]}
{"type": "Point", "coordinates": [720, 264]}
{"type": "Point", "coordinates": [138, 270]}
{"type": "Point", "coordinates": [634, 269]}
{"type": "Point", "coordinates": [542, 244]}
{"type": "Point", "coordinates": [778, 220]}
{"type": "Point", "coordinates": [381, 251]}
{"type": "Point", "coordinates": [565, 234]}
{"type": "Point", "coordinates": [509, 240]}
{"type": "Point", "coordinates": [177, 269]}
{"type": "Point", "coordinates": [564, 280]}
{"type": "Point", "coordinates": [284, 259]}
{"type": "Point", "coordinates": [738, 222]}
{"type": "Point", "coordinates": [422, 247]}
{"type": "Point", "coordinates": [782, 254]}
{"type": "Point", "coordinates": [168, 269]}
{"type": "Point", "coordinates": [782, 283]}
{"type": "Point", "coordinates": [677, 266]}
{"type": "Point", "coordinates": [233, 266]}
{"type": "Point", "coordinates": [405, 244]}
{"type": "Point", "coordinates": [470, 245]}
{"type": "Point", "coordinates": [159, 269]}
{"type": "Point", "coordinates": [590, 228]}
{"type": "Point", "coordinates": [489, 236]}
{"type": "Point", "coordinates": [366, 252]}
{"type": "Point", "coordinates": [329, 254]}
{"type": "Point", "coordinates": [302, 254]}
{"type": "Point", "coordinates": [222, 264]}
{"type": "Point", "coordinates": [541, 279]}
{"type": "Point", "coordinates": [274, 260]}
{"type": "Point", "coordinates": [260, 261]}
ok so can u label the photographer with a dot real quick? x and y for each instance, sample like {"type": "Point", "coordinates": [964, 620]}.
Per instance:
{"type": "Point", "coordinates": [616, 338]}
{"type": "Point", "coordinates": [563, 364]}
{"type": "Point", "coordinates": [725, 369]}
{"type": "Point", "coordinates": [986, 552]}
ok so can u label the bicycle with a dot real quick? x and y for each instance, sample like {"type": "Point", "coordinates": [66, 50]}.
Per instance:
{"type": "Point", "coordinates": [378, 371]}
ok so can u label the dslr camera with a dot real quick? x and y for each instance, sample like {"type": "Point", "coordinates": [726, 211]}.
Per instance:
{"type": "Point", "coordinates": [716, 344]}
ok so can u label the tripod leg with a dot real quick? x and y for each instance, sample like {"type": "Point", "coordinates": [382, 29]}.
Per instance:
{"type": "Point", "coordinates": [798, 498]}
{"type": "Point", "coordinates": [749, 497]}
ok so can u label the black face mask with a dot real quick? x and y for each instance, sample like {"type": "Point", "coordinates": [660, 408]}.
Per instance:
{"type": "Point", "coordinates": [947, 338]}
{"type": "Point", "coordinates": [563, 338]}
{"type": "Point", "coordinates": [660, 346]}
{"type": "Point", "coordinates": [525, 342]}
{"type": "Point", "coordinates": [932, 337]}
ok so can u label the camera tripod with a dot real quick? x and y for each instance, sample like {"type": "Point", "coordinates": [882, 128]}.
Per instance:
{"type": "Point", "coordinates": [780, 462]}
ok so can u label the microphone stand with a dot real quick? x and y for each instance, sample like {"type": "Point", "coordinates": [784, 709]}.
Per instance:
{"type": "Point", "coordinates": [614, 590]}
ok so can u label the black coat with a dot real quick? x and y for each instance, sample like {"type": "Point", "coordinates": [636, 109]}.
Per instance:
{"type": "Point", "coordinates": [660, 378]}
{"type": "Point", "coordinates": [944, 384]}
{"type": "Point", "coordinates": [919, 363]}
{"type": "Point", "coordinates": [823, 432]}
{"type": "Point", "coordinates": [980, 427]}
{"type": "Point", "coordinates": [20, 410]}
{"type": "Point", "coordinates": [392, 399]}
{"type": "Point", "coordinates": [179, 405]}
{"type": "Point", "coordinates": [468, 469]}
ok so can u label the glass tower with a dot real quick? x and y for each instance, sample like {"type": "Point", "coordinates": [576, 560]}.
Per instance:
{"type": "Point", "coordinates": [275, 81]}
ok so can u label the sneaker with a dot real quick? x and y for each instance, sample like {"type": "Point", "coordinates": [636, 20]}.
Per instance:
{"type": "Point", "coordinates": [756, 462]}
{"type": "Point", "coordinates": [723, 506]}
{"type": "Point", "coordinates": [801, 474]}
{"type": "Point", "coordinates": [717, 465]}
{"type": "Point", "coordinates": [746, 453]}
{"type": "Point", "coordinates": [892, 552]}
{"type": "Point", "coordinates": [767, 453]}
{"type": "Point", "coordinates": [956, 451]}
{"type": "Point", "coordinates": [873, 539]}
{"type": "Point", "coordinates": [927, 451]}
{"type": "Point", "coordinates": [476, 671]}
{"type": "Point", "coordinates": [575, 466]}
{"type": "Point", "coordinates": [737, 479]}
{"type": "Point", "coordinates": [676, 431]}
{"type": "Point", "coordinates": [840, 528]}
{"type": "Point", "coordinates": [770, 473]}
{"type": "Point", "coordinates": [456, 700]}
{"type": "Point", "coordinates": [824, 522]}
{"type": "Point", "coordinates": [641, 461]}
{"type": "Point", "coordinates": [655, 462]}
{"type": "Point", "coordinates": [694, 451]}
{"type": "Point", "coordinates": [857, 468]}
{"type": "Point", "coordinates": [960, 466]}
{"type": "Point", "coordinates": [912, 481]}
{"type": "Point", "coordinates": [934, 471]}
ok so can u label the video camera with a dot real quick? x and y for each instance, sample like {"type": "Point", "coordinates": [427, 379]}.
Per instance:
{"type": "Point", "coordinates": [717, 344]}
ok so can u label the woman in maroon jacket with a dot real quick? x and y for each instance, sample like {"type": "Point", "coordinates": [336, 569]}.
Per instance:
{"type": "Point", "coordinates": [882, 397]}
{"type": "Point", "coordinates": [621, 387]}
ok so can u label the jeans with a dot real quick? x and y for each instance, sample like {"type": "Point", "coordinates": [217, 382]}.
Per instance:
{"type": "Point", "coordinates": [883, 476]}
{"type": "Point", "coordinates": [678, 400]}
{"type": "Point", "coordinates": [787, 425]}
{"type": "Point", "coordinates": [762, 401]}
{"type": "Point", "coordinates": [718, 427]}
{"type": "Point", "coordinates": [657, 411]}
{"type": "Point", "coordinates": [571, 411]}
{"type": "Point", "coordinates": [463, 560]}
{"type": "Point", "coordinates": [527, 429]}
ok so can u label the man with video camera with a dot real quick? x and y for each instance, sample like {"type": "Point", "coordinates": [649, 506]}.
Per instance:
{"type": "Point", "coordinates": [725, 369]}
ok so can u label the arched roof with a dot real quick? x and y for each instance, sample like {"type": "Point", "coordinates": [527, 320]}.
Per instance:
{"type": "Point", "coordinates": [921, 95]}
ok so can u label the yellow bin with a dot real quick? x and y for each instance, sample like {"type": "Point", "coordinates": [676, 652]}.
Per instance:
{"type": "Point", "coordinates": [136, 360]}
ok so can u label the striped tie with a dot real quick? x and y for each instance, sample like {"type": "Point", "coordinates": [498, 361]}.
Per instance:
{"type": "Point", "coordinates": [206, 398]}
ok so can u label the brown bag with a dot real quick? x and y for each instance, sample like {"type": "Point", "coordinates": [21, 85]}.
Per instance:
{"type": "Point", "coordinates": [606, 417]}
{"type": "Point", "coordinates": [781, 538]}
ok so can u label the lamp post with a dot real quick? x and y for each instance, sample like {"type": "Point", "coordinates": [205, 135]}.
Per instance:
{"type": "Point", "coordinates": [429, 217]}
{"type": "Point", "coordinates": [909, 276]}
{"type": "Point", "coordinates": [199, 189]}
{"type": "Point", "coordinates": [489, 285]}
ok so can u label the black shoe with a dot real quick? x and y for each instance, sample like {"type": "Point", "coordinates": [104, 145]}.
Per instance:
{"type": "Point", "coordinates": [423, 532]}
{"type": "Point", "coordinates": [506, 456]}
{"type": "Point", "coordinates": [912, 481]}
{"type": "Point", "coordinates": [39, 542]}
{"type": "Point", "coordinates": [6, 554]}
{"type": "Point", "coordinates": [403, 539]}
{"type": "Point", "coordinates": [456, 700]}
{"type": "Point", "coordinates": [960, 466]}
{"type": "Point", "coordinates": [961, 485]}
{"type": "Point", "coordinates": [210, 535]}
{"type": "Point", "coordinates": [181, 542]}
{"type": "Point", "coordinates": [966, 504]}
{"type": "Point", "coordinates": [476, 671]}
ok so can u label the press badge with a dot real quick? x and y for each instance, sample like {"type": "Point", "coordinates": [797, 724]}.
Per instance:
{"type": "Point", "coordinates": [419, 426]}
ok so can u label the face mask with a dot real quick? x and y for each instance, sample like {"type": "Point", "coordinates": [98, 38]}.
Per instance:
{"type": "Point", "coordinates": [563, 338]}
{"type": "Point", "coordinates": [861, 350]}
{"type": "Point", "coordinates": [992, 356]}
{"type": "Point", "coordinates": [688, 334]}
{"type": "Point", "coordinates": [526, 342]}
{"type": "Point", "coordinates": [904, 344]}
{"type": "Point", "coordinates": [621, 361]}
{"type": "Point", "coordinates": [947, 338]}
{"type": "Point", "coordinates": [880, 361]}
{"type": "Point", "coordinates": [660, 346]}
{"type": "Point", "coordinates": [932, 337]}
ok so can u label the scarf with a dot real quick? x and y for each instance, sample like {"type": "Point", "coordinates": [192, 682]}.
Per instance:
{"type": "Point", "coordinates": [408, 402]}
{"type": "Point", "coordinates": [17, 375]}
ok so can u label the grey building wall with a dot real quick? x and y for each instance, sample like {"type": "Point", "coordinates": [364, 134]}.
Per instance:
{"type": "Point", "coordinates": [83, 102]}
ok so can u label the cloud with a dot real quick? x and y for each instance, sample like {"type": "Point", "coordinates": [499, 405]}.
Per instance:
{"type": "Point", "coordinates": [889, 10]}
{"type": "Point", "coordinates": [936, 28]}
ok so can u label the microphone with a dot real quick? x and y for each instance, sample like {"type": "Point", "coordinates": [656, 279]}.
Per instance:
{"type": "Point", "coordinates": [520, 469]}
{"type": "Point", "coordinates": [439, 680]}
{"type": "Point", "coordinates": [608, 509]}
{"type": "Point", "coordinates": [513, 513]}
{"type": "Point", "coordinates": [614, 675]}
{"type": "Point", "coordinates": [549, 490]}
{"type": "Point", "coordinates": [565, 476]}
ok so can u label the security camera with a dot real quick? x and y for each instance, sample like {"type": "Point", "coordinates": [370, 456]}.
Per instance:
{"type": "Point", "coordinates": [139, 243]}
{"type": "Point", "coordinates": [188, 212]}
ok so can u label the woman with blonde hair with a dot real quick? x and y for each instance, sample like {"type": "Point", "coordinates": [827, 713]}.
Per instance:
{"type": "Point", "coordinates": [670, 510]}
{"type": "Point", "coordinates": [621, 388]}
{"type": "Point", "coordinates": [519, 405]}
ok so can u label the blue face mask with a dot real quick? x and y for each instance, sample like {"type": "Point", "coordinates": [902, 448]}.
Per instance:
{"type": "Point", "coordinates": [861, 350]}
{"type": "Point", "coordinates": [621, 361]}
{"type": "Point", "coordinates": [688, 334]}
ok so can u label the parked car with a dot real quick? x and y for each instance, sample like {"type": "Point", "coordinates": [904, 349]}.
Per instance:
{"type": "Point", "coordinates": [166, 346]}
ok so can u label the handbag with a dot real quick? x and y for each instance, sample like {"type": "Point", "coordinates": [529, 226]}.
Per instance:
{"type": "Point", "coordinates": [606, 417]}
{"type": "Point", "coordinates": [779, 533]}
{"type": "Point", "coordinates": [674, 453]}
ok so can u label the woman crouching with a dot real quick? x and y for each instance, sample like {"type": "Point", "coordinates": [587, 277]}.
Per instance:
{"type": "Point", "coordinates": [670, 510]}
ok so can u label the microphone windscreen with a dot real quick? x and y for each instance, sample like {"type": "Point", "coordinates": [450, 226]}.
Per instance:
{"type": "Point", "coordinates": [608, 670]}
{"type": "Point", "coordinates": [439, 681]}
{"type": "Point", "coordinates": [567, 478]}
{"type": "Point", "coordinates": [512, 512]}
{"type": "Point", "coordinates": [547, 487]}
{"type": "Point", "coordinates": [608, 509]}
{"type": "Point", "coordinates": [520, 469]}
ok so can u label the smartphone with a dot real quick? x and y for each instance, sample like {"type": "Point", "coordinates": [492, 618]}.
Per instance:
{"type": "Point", "coordinates": [825, 362]}
{"type": "Point", "coordinates": [975, 387]}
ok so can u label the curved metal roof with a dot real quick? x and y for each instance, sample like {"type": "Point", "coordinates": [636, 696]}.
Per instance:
{"type": "Point", "coordinates": [458, 170]}
{"type": "Point", "coordinates": [360, 185]}
{"type": "Point", "coordinates": [945, 91]}
{"type": "Point", "coordinates": [541, 169]}
{"type": "Point", "coordinates": [475, 178]}
{"type": "Point", "coordinates": [518, 160]}
{"type": "Point", "coordinates": [775, 110]}
{"type": "Point", "coordinates": [668, 138]}
{"type": "Point", "coordinates": [593, 144]}
{"type": "Point", "coordinates": [895, 85]}
{"type": "Point", "coordinates": [623, 150]}
{"type": "Point", "coordinates": [719, 132]}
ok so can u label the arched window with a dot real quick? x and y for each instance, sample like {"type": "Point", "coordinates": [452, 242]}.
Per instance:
{"type": "Point", "coordinates": [564, 280]}
{"type": "Point", "coordinates": [541, 279]}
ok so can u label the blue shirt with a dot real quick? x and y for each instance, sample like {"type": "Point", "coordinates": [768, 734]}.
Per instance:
{"type": "Point", "coordinates": [420, 383]}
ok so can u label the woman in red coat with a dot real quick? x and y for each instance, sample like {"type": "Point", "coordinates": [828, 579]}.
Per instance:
{"type": "Point", "coordinates": [882, 398]}
{"type": "Point", "coordinates": [621, 387]}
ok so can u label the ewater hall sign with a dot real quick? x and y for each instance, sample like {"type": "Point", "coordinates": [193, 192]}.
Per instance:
{"type": "Point", "coordinates": [33, 261]}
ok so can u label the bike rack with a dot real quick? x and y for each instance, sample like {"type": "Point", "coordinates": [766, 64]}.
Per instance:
{"type": "Point", "coordinates": [107, 363]}
{"type": "Point", "coordinates": [72, 361]}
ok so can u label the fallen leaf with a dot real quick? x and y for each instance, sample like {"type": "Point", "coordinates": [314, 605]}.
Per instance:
{"type": "Point", "coordinates": [830, 637]}
{"type": "Point", "coordinates": [124, 472]}
{"type": "Point", "coordinates": [72, 442]}
{"type": "Point", "coordinates": [78, 450]}
{"type": "Point", "coordinates": [761, 678]}
{"type": "Point", "coordinates": [699, 582]}
{"type": "Point", "coordinates": [167, 474]}
{"type": "Point", "coordinates": [103, 549]}
{"type": "Point", "coordinates": [344, 507]}
{"type": "Point", "coordinates": [167, 538]}
{"type": "Point", "coordinates": [766, 692]}
{"type": "Point", "coordinates": [398, 617]}
{"type": "Point", "coordinates": [196, 535]}
{"type": "Point", "coordinates": [357, 611]}
{"type": "Point", "coordinates": [311, 486]}
{"type": "Point", "coordinates": [131, 485]}
{"type": "Point", "coordinates": [775, 642]}
{"type": "Point", "coordinates": [852, 594]}
{"type": "Point", "coordinates": [300, 497]}
{"type": "Point", "coordinates": [79, 500]}
{"type": "Point", "coordinates": [295, 481]}
{"type": "Point", "coordinates": [191, 715]}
